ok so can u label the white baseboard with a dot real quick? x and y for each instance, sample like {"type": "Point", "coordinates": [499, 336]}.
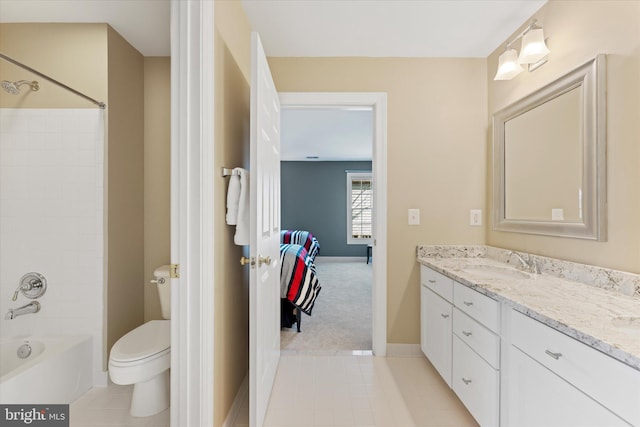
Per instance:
{"type": "Point", "coordinates": [404, 350]}
{"type": "Point", "coordinates": [320, 259]}
{"type": "Point", "coordinates": [242, 394]}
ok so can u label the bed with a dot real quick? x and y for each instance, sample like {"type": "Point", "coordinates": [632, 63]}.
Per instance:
{"type": "Point", "coordinates": [299, 284]}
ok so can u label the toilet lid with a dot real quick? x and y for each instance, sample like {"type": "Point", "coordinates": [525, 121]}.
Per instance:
{"type": "Point", "coordinates": [144, 341]}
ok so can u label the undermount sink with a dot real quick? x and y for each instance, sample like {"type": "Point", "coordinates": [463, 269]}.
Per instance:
{"type": "Point", "coordinates": [496, 272]}
{"type": "Point", "coordinates": [627, 322]}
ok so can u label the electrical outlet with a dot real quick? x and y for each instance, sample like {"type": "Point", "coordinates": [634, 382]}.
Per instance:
{"type": "Point", "coordinates": [475, 217]}
{"type": "Point", "coordinates": [414, 216]}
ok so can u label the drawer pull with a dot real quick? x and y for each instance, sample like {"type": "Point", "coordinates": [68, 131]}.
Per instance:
{"type": "Point", "coordinates": [468, 303]}
{"type": "Point", "coordinates": [432, 281]}
{"type": "Point", "coordinates": [466, 334]}
{"type": "Point", "coordinates": [445, 316]}
{"type": "Point", "coordinates": [552, 354]}
{"type": "Point", "coordinates": [466, 381]}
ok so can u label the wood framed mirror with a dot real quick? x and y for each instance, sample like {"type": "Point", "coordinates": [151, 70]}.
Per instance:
{"type": "Point", "coordinates": [549, 158]}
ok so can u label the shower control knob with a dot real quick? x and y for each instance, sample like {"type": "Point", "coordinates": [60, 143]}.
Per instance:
{"type": "Point", "coordinates": [32, 285]}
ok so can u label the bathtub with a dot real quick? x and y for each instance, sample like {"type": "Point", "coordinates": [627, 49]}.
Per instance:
{"type": "Point", "coordinates": [57, 371]}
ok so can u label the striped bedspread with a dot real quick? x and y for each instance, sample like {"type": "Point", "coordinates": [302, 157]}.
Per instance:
{"type": "Point", "coordinates": [303, 238]}
{"type": "Point", "coordinates": [298, 281]}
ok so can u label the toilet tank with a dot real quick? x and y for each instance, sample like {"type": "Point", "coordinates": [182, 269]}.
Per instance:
{"type": "Point", "coordinates": [163, 277]}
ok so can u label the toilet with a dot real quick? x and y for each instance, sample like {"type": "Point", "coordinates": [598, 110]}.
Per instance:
{"type": "Point", "coordinates": [142, 357]}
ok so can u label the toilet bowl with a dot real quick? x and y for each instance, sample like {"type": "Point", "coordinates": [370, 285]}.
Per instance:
{"type": "Point", "coordinates": [142, 357]}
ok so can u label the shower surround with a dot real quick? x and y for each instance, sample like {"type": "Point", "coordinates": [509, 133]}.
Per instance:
{"type": "Point", "coordinates": [52, 221]}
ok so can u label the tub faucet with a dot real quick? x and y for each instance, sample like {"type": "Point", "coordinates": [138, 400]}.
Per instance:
{"type": "Point", "coordinates": [529, 264]}
{"type": "Point", "coordinates": [32, 307]}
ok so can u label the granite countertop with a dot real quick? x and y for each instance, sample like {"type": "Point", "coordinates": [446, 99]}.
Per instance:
{"type": "Point", "coordinates": [606, 320]}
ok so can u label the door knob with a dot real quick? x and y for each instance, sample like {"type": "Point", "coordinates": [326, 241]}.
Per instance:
{"type": "Point", "coordinates": [264, 260]}
{"type": "Point", "coordinates": [244, 261]}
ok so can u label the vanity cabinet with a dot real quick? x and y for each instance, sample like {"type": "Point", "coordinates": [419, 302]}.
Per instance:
{"type": "Point", "coordinates": [554, 380]}
{"type": "Point", "coordinates": [436, 320]}
{"type": "Point", "coordinates": [459, 335]}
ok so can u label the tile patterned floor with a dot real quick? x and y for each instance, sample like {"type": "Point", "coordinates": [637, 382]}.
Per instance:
{"type": "Point", "coordinates": [348, 390]}
{"type": "Point", "coordinates": [320, 389]}
{"type": "Point", "coordinates": [109, 406]}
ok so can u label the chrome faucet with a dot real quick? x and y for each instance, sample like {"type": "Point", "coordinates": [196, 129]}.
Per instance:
{"type": "Point", "coordinates": [529, 264]}
{"type": "Point", "coordinates": [32, 307]}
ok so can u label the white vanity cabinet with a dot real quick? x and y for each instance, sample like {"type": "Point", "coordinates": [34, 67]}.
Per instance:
{"type": "Point", "coordinates": [459, 335]}
{"type": "Point", "coordinates": [554, 380]}
{"type": "Point", "coordinates": [436, 320]}
{"type": "Point", "coordinates": [476, 353]}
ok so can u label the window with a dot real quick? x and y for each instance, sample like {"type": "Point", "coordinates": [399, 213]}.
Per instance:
{"type": "Point", "coordinates": [359, 208]}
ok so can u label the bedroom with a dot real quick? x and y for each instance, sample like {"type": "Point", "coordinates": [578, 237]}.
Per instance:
{"type": "Point", "coordinates": [326, 154]}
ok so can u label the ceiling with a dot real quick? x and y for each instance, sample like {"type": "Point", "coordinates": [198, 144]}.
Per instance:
{"type": "Point", "coordinates": [293, 28]}
{"type": "Point", "coordinates": [143, 23]}
{"type": "Point", "coordinates": [379, 28]}
{"type": "Point", "coordinates": [326, 134]}
{"type": "Point", "coordinates": [387, 28]}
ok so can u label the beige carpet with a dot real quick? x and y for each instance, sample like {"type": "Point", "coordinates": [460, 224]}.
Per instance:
{"type": "Point", "coordinates": [341, 317]}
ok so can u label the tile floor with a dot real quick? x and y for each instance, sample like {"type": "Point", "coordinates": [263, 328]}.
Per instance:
{"type": "Point", "coordinates": [109, 406]}
{"type": "Point", "coordinates": [360, 390]}
{"type": "Point", "coordinates": [318, 389]}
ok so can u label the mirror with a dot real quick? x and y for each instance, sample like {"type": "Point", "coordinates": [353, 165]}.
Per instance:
{"type": "Point", "coordinates": [549, 158]}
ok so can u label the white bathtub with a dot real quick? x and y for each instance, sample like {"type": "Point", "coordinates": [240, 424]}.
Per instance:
{"type": "Point", "coordinates": [57, 371]}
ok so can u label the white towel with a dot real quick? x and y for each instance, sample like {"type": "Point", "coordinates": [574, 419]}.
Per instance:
{"type": "Point", "coordinates": [233, 196]}
{"type": "Point", "coordinates": [242, 224]}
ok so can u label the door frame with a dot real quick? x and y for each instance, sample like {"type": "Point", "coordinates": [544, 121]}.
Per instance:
{"type": "Point", "coordinates": [192, 196]}
{"type": "Point", "coordinates": [378, 101]}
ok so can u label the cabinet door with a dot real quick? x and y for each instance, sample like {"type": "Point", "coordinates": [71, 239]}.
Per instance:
{"type": "Point", "coordinates": [436, 330]}
{"type": "Point", "coordinates": [538, 397]}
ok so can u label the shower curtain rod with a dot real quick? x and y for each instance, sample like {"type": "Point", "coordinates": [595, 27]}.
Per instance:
{"type": "Point", "coordinates": [44, 76]}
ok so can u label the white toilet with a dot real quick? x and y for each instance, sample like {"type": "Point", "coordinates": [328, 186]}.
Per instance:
{"type": "Point", "coordinates": [143, 356]}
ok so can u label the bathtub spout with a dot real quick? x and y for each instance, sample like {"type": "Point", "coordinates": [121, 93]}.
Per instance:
{"type": "Point", "coordinates": [32, 307]}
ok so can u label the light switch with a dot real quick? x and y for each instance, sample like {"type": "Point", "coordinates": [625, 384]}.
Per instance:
{"type": "Point", "coordinates": [414, 216]}
{"type": "Point", "coordinates": [475, 217]}
{"type": "Point", "coordinates": [557, 214]}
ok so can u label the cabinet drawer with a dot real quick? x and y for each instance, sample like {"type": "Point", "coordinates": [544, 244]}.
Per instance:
{"type": "Point", "coordinates": [438, 283]}
{"type": "Point", "coordinates": [480, 339]}
{"type": "Point", "coordinates": [476, 383]}
{"type": "Point", "coordinates": [480, 307]}
{"type": "Point", "coordinates": [608, 381]}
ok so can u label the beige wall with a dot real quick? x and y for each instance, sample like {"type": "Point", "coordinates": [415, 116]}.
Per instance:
{"type": "Point", "coordinates": [157, 175]}
{"type": "Point", "coordinates": [232, 69]}
{"type": "Point", "coordinates": [125, 198]}
{"type": "Point", "coordinates": [577, 31]}
{"type": "Point", "coordinates": [436, 155]}
{"type": "Point", "coordinates": [74, 54]}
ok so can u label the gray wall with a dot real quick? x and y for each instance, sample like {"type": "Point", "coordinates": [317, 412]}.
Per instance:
{"type": "Point", "coordinates": [314, 198]}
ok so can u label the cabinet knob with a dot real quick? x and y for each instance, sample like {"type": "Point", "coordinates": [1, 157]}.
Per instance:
{"type": "Point", "coordinates": [466, 381]}
{"type": "Point", "coordinates": [446, 316]}
{"type": "Point", "coordinates": [468, 303]}
{"type": "Point", "coordinates": [432, 281]}
{"type": "Point", "coordinates": [552, 354]}
{"type": "Point", "coordinates": [466, 334]}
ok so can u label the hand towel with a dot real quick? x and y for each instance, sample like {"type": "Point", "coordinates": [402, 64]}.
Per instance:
{"type": "Point", "coordinates": [243, 226]}
{"type": "Point", "coordinates": [233, 196]}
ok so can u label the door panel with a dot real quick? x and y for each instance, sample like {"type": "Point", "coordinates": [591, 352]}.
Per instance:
{"type": "Point", "coordinates": [264, 278]}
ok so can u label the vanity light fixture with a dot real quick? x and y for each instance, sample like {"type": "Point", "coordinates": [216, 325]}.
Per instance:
{"type": "Point", "coordinates": [533, 52]}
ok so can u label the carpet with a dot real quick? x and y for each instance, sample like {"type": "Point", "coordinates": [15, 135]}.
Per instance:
{"type": "Point", "coordinates": [341, 317]}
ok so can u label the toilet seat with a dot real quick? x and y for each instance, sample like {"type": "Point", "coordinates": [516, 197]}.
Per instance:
{"type": "Point", "coordinates": [148, 341]}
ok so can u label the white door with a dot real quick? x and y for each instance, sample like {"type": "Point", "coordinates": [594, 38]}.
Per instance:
{"type": "Point", "coordinates": [264, 278]}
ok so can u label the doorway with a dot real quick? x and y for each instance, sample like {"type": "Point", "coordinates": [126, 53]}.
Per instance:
{"type": "Point", "coordinates": [376, 102]}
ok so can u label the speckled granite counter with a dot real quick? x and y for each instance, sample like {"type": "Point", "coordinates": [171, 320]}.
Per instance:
{"type": "Point", "coordinates": [603, 313]}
